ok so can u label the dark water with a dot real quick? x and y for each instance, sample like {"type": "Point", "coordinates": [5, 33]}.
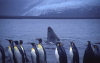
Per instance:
{"type": "Point", "coordinates": [77, 30]}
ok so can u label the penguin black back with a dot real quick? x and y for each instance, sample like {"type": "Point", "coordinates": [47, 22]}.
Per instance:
{"type": "Point", "coordinates": [75, 57]}
{"type": "Point", "coordinates": [89, 54]}
{"type": "Point", "coordinates": [62, 53]}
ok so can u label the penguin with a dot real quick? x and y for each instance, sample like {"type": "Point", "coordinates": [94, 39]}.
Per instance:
{"type": "Point", "coordinates": [10, 54]}
{"type": "Point", "coordinates": [2, 52]}
{"type": "Point", "coordinates": [96, 50]}
{"type": "Point", "coordinates": [42, 52]}
{"type": "Point", "coordinates": [11, 45]}
{"type": "Point", "coordinates": [17, 53]}
{"type": "Point", "coordinates": [74, 53]}
{"type": "Point", "coordinates": [89, 56]}
{"type": "Point", "coordinates": [60, 53]}
{"type": "Point", "coordinates": [34, 54]}
{"type": "Point", "coordinates": [23, 50]}
{"type": "Point", "coordinates": [51, 36]}
{"type": "Point", "coordinates": [11, 51]}
{"type": "Point", "coordinates": [97, 53]}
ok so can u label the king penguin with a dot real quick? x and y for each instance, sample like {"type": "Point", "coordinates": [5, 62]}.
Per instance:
{"type": "Point", "coordinates": [89, 56]}
{"type": "Point", "coordinates": [42, 52]}
{"type": "Point", "coordinates": [97, 53]}
{"type": "Point", "coordinates": [34, 54]}
{"type": "Point", "coordinates": [60, 53]}
{"type": "Point", "coordinates": [11, 51]}
{"type": "Point", "coordinates": [96, 50]}
{"type": "Point", "coordinates": [74, 53]}
{"type": "Point", "coordinates": [2, 52]}
{"type": "Point", "coordinates": [17, 53]}
{"type": "Point", "coordinates": [10, 54]}
{"type": "Point", "coordinates": [23, 52]}
{"type": "Point", "coordinates": [51, 36]}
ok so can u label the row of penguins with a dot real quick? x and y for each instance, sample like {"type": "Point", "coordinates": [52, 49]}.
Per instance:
{"type": "Point", "coordinates": [38, 53]}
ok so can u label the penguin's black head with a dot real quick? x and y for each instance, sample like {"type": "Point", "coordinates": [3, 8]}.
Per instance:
{"type": "Point", "coordinates": [40, 40]}
{"type": "Point", "coordinates": [21, 42]}
{"type": "Point", "coordinates": [72, 43]}
{"type": "Point", "coordinates": [89, 43]}
{"type": "Point", "coordinates": [33, 44]}
{"type": "Point", "coordinates": [59, 44]}
{"type": "Point", "coordinates": [16, 42]}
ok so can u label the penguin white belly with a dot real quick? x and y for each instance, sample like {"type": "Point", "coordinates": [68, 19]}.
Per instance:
{"type": "Point", "coordinates": [57, 55]}
{"type": "Point", "coordinates": [10, 55]}
{"type": "Point", "coordinates": [17, 55]}
{"type": "Point", "coordinates": [41, 55]}
{"type": "Point", "coordinates": [0, 57]}
{"type": "Point", "coordinates": [33, 56]}
{"type": "Point", "coordinates": [71, 52]}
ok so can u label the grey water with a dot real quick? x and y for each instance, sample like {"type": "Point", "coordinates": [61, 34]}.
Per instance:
{"type": "Point", "coordinates": [78, 30]}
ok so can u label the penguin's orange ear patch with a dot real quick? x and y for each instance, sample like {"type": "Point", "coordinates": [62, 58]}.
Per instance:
{"type": "Point", "coordinates": [95, 46]}
{"type": "Point", "coordinates": [9, 47]}
{"type": "Point", "coordinates": [33, 49]}
{"type": "Point", "coordinates": [39, 46]}
{"type": "Point", "coordinates": [15, 47]}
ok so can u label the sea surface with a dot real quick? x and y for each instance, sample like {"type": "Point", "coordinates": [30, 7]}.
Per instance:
{"type": "Point", "coordinates": [77, 30]}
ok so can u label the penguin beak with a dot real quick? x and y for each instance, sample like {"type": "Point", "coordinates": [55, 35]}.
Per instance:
{"type": "Point", "coordinates": [10, 41]}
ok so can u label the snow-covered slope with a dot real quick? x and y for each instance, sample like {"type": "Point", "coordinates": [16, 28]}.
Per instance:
{"type": "Point", "coordinates": [66, 8]}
